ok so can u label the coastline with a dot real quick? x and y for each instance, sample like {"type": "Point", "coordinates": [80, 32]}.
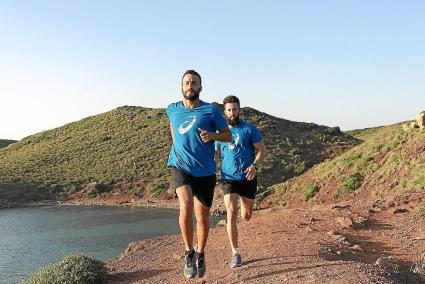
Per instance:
{"type": "Point", "coordinates": [166, 201]}
{"type": "Point", "coordinates": [13, 205]}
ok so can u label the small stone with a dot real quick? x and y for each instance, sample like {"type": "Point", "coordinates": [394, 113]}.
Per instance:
{"type": "Point", "coordinates": [388, 262]}
{"type": "Point", "coordinates": [339, 238]}
{"type": "Point", "coordinates": [345, 222]}
{"type": "Point", "coordinates": [400, 210]}
{"type": "Point", "coordinates": [393, 184]}
{"type": "Point", "coordinates": [221, 223]}
{"type": "Point", "coordinates": [360, 220]}
{"type": "Point", "coordinates": [357, 247]}
{"type": "Point", "coordinates": [339, 206]}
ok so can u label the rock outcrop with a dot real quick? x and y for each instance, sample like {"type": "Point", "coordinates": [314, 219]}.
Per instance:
{"type": "Point", "coordinates": [419, 123]}
{"type": "Point", "coordinates": [420, 120]}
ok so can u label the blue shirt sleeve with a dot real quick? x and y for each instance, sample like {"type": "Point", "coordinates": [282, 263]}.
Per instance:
{"type": "Point", "coordinates": [255, 135]}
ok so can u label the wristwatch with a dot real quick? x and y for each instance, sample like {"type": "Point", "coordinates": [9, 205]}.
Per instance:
{"type": "Point", "coordinates": [255, 165]}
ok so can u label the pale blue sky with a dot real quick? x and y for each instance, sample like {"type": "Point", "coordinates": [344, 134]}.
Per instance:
{"type": "Point", "coordinates": [352, 64]}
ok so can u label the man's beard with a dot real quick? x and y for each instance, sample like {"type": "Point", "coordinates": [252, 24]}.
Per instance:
{"type": "Point", "coordinates": [192, 96]}
{"type": "Point", "coordinates": [233, 121]}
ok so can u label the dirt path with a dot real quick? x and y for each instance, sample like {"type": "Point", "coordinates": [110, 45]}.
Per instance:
{"type": "Point", "coordinates": [323, 244]}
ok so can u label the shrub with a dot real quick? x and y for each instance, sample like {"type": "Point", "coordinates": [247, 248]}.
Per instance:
{"type": "Point", "coordinates": [95, 189]}
{"type": "Point", "coordinates": [309, 190]}
{"type": "Point", "coordinates": [136, 190]}
{"type": "Point", "coordinates": [76, 268]}
{"type": "Point", "coordinates": [419, 182]}
{"type": "Point", "coordinates": [418, 266]}
{"type": "Point", "coordinates": [352, 182]}
{"type": "Point", "coordinates": [336, 195]}
{"type": "Point", "coordinates": [157, 187]}
{"type": "Point", "coordinates": [299, 168]}
{"type": "Point", "coordinates": [280, 188]}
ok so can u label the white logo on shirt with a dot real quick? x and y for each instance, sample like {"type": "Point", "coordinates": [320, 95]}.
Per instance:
{"type": "Point", "coordinates": [187, 125]}
{"type": "Point", "coordinates": [232, 145]}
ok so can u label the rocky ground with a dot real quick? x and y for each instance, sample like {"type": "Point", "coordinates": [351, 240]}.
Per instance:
{"type": "Point", "coordinates": [374, 242]}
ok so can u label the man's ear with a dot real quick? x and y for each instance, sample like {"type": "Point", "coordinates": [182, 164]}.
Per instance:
{"type": "Point", "coordinates": [200, 88]}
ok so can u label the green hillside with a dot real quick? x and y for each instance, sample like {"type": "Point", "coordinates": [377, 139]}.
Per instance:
{"type": "Point", "coordinates": [364, 133]}
{"type": "Point", "coordinates": [389, 160]}
{"type": "Point", "coordinates": [5, 142]}
{"type": "Point", "coordinates": [131, 145]}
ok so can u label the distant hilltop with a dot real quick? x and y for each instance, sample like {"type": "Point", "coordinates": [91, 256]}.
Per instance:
{"type": "Point", "coordinates": [125, 151]}
{"type": "Point", "coordinates": [6, 142]}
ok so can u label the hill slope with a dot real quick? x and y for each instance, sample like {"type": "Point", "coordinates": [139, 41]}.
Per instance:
{"type": "Point", "coordinates": [131, 144]}
{"type": "Point", "coordinates": [390, 160]}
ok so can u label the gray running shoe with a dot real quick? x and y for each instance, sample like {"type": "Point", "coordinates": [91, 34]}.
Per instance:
{"type": "Point", "coordinates": [189, 265]}
{"type": "Point", "coordinates": [200, 265]}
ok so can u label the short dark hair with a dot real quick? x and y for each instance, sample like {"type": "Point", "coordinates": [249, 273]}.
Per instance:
{"type": "Point", "coordinates": [193, 72]}
{"type": "Point", "coordinates": [231, 99]}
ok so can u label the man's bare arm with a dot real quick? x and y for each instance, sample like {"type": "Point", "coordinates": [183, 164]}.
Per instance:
{"type": "Point", "coordinates": [260, 154]}
{"type": "Point", "coordinates": [224, 135]}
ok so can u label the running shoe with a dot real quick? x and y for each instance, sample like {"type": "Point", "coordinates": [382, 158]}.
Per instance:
{"type": "Point", "coordinates": [189, 265]}
{"type": "Point", "coordinates": [200, 265]}
{"type": "Point", "coordinates": [236, 261]}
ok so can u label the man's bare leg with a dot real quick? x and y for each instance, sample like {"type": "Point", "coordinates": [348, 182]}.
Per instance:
{"type": "Point", "coordinates": [184, 193]}
{"type": "Point", "coordinates": [202, 214]}
{"type": "Point", "coordinates": [231, 203]}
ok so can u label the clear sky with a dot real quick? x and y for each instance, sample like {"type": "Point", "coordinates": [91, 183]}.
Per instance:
{"type": "Point", "coordinates": [352, 64]}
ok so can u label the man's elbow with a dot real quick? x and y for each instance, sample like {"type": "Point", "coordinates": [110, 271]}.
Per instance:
{"type": "Point", "coordinates": [228, 137]}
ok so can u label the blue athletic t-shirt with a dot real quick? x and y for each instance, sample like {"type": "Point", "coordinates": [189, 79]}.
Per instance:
{"type": "Point", "coordinates": [237, 156]}
{"type": "Point", "coordinates": [189, 153]}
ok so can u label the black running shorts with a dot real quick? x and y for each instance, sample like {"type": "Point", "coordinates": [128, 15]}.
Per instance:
{"type": "Point", "coordinates": [245, 188]}
{"type": "Point", "coordinates": [202, 187]}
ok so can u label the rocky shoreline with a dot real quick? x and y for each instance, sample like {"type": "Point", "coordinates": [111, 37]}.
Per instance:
{"type": "Point", "coordinates": [11, 205]}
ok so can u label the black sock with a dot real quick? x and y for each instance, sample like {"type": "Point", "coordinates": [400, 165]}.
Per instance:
{"type": "Point", "coordinates": [200, 255]}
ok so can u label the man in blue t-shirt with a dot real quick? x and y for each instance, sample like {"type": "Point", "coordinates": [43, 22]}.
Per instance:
{"type": "Point", "coordinates": [195, 125]}
{"type": "Point", "coordinates": [239, 163]}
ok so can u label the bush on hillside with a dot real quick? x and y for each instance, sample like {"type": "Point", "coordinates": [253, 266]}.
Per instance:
{"type": "Point", "coordinates": [352, 182]}
{"type": "Point", "coordinates": [157, 187]}
{"type": "Point", "coordinates": [309, 190]}
{"type": "Point", "coordinates": [418, 266]}
{"type": "Point", "coordinates": [336, 194]}
{"type": "Point", "coordinates": [280, 188]}
{"type": "Point", "coordinates": [94, 189]}
{"type": "Point", "coordinates": [73, 269]}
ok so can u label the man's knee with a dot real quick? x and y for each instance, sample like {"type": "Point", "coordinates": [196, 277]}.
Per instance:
{"type": "Point", "coordinates": [202, 219]}
{"type": "Point", "coordinates": [246, 215]}
{"type": "Point", "coordinates": [202, 215]}
{"type": "Point", "coordinates": [186, 209]}
{"type": "Point", "coordinates": [232, 212]}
